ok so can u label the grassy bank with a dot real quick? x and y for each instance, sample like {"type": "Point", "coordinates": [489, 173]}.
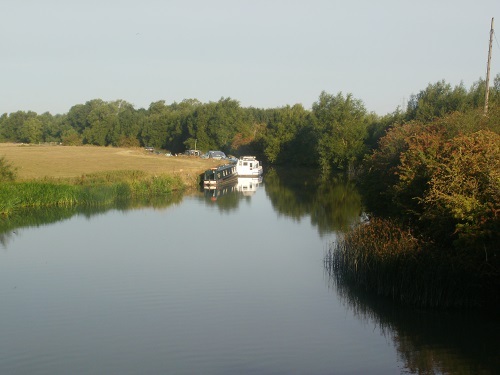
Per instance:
{"type": "Point", "coordinates": [98, 189]}
{"type": "Point", "coordinates": [380, 257]}
{"type": "Point", "coordinates": [66, 176]}
{"type": "Point", "coordinates": [34, 162]}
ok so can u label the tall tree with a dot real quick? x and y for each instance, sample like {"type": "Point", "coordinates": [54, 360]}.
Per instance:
{"type": "Point", "coordinates": [282, 143]}
{"type": "Point", "coordinates": [31, 130]}
{"type": "Point", "coordinates": [341, 125]}
{"type": "Point", "coordinates": [437, 100]}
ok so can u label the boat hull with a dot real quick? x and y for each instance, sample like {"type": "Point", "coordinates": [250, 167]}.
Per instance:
{"type": "Point", "coordinates": [221, 175]}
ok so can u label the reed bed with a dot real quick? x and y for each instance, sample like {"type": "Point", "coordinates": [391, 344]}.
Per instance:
{"type": "Point", "coordinates": [98, 189]}
{"type": "Point", "coordinates": [382, 258]}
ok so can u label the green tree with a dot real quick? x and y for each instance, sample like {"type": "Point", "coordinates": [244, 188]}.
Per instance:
{"type": "Point", "coordinates": [102, 119]}
{"type": "Point", "coordinates": [341, 125]}
{"type": "Point", "coordinates": [287, 138]}
{"type": "Point", "coordinates": [31, 130]}
{"type": "Point", "coordinates": [154, 131]}
{"type": "Point", "coordinates": [13, 126]}
{"type": "Point", "coordinates": [51, 127]}
{"type": "Point", "coordinates": [70, 137]}
{"type": "Point", "coordinates": [438, 100]}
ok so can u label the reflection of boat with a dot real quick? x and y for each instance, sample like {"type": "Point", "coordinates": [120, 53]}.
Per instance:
{"type": "Point", "coordinates": [219, 175]}
{"type": "Point", "coordinates": [216, 191]}
{"type": "Point", "coordinates": [248, 185]}
{"type": "Point", "coordinates": [248, 166]}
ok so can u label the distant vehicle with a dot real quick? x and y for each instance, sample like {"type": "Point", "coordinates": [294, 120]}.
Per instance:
{"type": "Point", "coordinates": [192, 152]}
{"type": "Point", "coordinates": [149, 148]}
{"type": "Point", "coordinates": [218, 155]}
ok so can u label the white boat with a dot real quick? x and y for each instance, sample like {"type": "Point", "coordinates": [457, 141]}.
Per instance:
{"type": "Point", "coordinates": [248, 166]}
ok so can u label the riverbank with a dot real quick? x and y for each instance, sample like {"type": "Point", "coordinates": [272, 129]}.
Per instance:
{"type": "Point", "coordinates": [35, 162]}
{"type": "Point", "coordinates": [66, 176]}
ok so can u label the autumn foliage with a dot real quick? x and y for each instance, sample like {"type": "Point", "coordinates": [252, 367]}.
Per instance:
{"type": "Point", "coordinates": [442, 180]}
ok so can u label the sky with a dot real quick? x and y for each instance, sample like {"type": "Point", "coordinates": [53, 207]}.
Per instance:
{"type": "Point", "coordinates": [55, 54]}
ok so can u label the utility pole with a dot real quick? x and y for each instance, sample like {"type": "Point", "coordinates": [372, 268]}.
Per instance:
{"type": "Point", "coordinates": [487, 93]}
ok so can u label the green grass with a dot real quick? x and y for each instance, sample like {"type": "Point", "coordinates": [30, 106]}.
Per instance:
{"type": "Point", "coordinates": [88, 190]}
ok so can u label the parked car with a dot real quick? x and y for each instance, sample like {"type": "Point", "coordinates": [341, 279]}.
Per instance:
{"type": "Point", "coordinates": [192, 152]}
{"type": "Point", "coordinates": [214, 155]}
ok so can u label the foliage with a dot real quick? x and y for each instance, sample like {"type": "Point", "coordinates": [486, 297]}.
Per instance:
{"type": "Point", "coordinates": [335, 134]}
{"type": "Point", "coordinates": [381, 257]}
{"type": "Point", "coordinates": [341, 126]}
{"type": "Point", "coordinates": [100, 189]}
{"type": "Point", "coordinates": [437, 100]}
{"type": "Point", "coordinates": [287, 136]}
{"type": "Point", "coordinates": [442, 179]}
{"type": "Point", "coordinates": [7, 171]}
{"type": "Point", "coordinates": [379, 173]}
{"type": "Point", "coordinates": [464, 190]}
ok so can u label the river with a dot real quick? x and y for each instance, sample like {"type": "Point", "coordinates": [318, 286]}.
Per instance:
{"type": "Point", "coordinates": [229, 282]}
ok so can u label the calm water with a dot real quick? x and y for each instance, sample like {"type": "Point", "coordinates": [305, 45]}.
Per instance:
{"type": "Point", "coordinates": [226, 284]}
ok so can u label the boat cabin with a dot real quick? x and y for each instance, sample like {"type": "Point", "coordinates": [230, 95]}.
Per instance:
{"type": "Point", "coordinates": [248, 166]}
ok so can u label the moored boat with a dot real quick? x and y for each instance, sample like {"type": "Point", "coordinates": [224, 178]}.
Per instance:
{"type": "Point", "coordinates": [248, 166]}
{"type": "Point", "coordinates": [219, 175]}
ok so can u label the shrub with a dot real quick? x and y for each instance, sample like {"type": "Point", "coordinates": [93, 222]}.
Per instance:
{"type": "Point", "coordinates": [465, 190]}
{"type": "Point", "coordinates": [7, 171]}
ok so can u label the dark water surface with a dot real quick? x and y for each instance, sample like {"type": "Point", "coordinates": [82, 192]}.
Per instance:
{"type": "Point", "coordinates": [233, 285]}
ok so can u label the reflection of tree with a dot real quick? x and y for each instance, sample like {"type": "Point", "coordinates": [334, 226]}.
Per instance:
{"type": "Point", "coordinates": [332, 205]}
{"type": "Point", "coordinates": [430, 342]}
{"type": "Point", "coordinates": [34, 217]}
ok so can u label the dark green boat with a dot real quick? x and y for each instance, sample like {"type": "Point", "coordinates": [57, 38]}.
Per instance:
{"type": "Point", "coordinates": [219, 175]}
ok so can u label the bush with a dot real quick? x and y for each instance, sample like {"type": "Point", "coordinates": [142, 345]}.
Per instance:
{"type": "Point", "coordinates": [7, 171]}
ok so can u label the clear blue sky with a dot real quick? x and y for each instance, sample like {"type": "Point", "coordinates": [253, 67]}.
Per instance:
{"type": "Point", "coordinates": [264, 53]}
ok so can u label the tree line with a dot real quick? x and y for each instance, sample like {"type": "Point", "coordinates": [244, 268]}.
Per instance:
{"type": "Point", "coordinates": [335, 134]}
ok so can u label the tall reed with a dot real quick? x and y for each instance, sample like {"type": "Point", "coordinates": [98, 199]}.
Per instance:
{"type": "Point", "coordinates": [383, 258]}
{"type": "Point", "coordinates": [89, 190]}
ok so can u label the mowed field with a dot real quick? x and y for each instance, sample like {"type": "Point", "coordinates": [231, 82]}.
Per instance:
{"type": "Point", "coordinates": [39, 161]}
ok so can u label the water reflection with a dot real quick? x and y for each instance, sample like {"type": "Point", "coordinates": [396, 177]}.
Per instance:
{"type": "Point", "coordinates": [35, 217]}
{"type": "Point", "coordinates": [258, 305]}
{"type": "Point", "coordinates": [332, 205]}
{"type": "Point", "coordinates": [227, 196]}
{"type": "Point", "coordinates": [249, 185]}
{"type": "Point", "coordinates": [429, 342]}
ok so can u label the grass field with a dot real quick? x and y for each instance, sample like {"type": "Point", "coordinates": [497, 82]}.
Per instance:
{"type": "Point", "coordinates": [44, 161]}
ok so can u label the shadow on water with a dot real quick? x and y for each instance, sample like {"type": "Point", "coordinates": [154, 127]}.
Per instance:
{"type": "Point", "coordinates": [36, 217]}
{"type": "Point", "coordinates": [429, 342]}
{"type": "Point", "coordinates": [332, 205]}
